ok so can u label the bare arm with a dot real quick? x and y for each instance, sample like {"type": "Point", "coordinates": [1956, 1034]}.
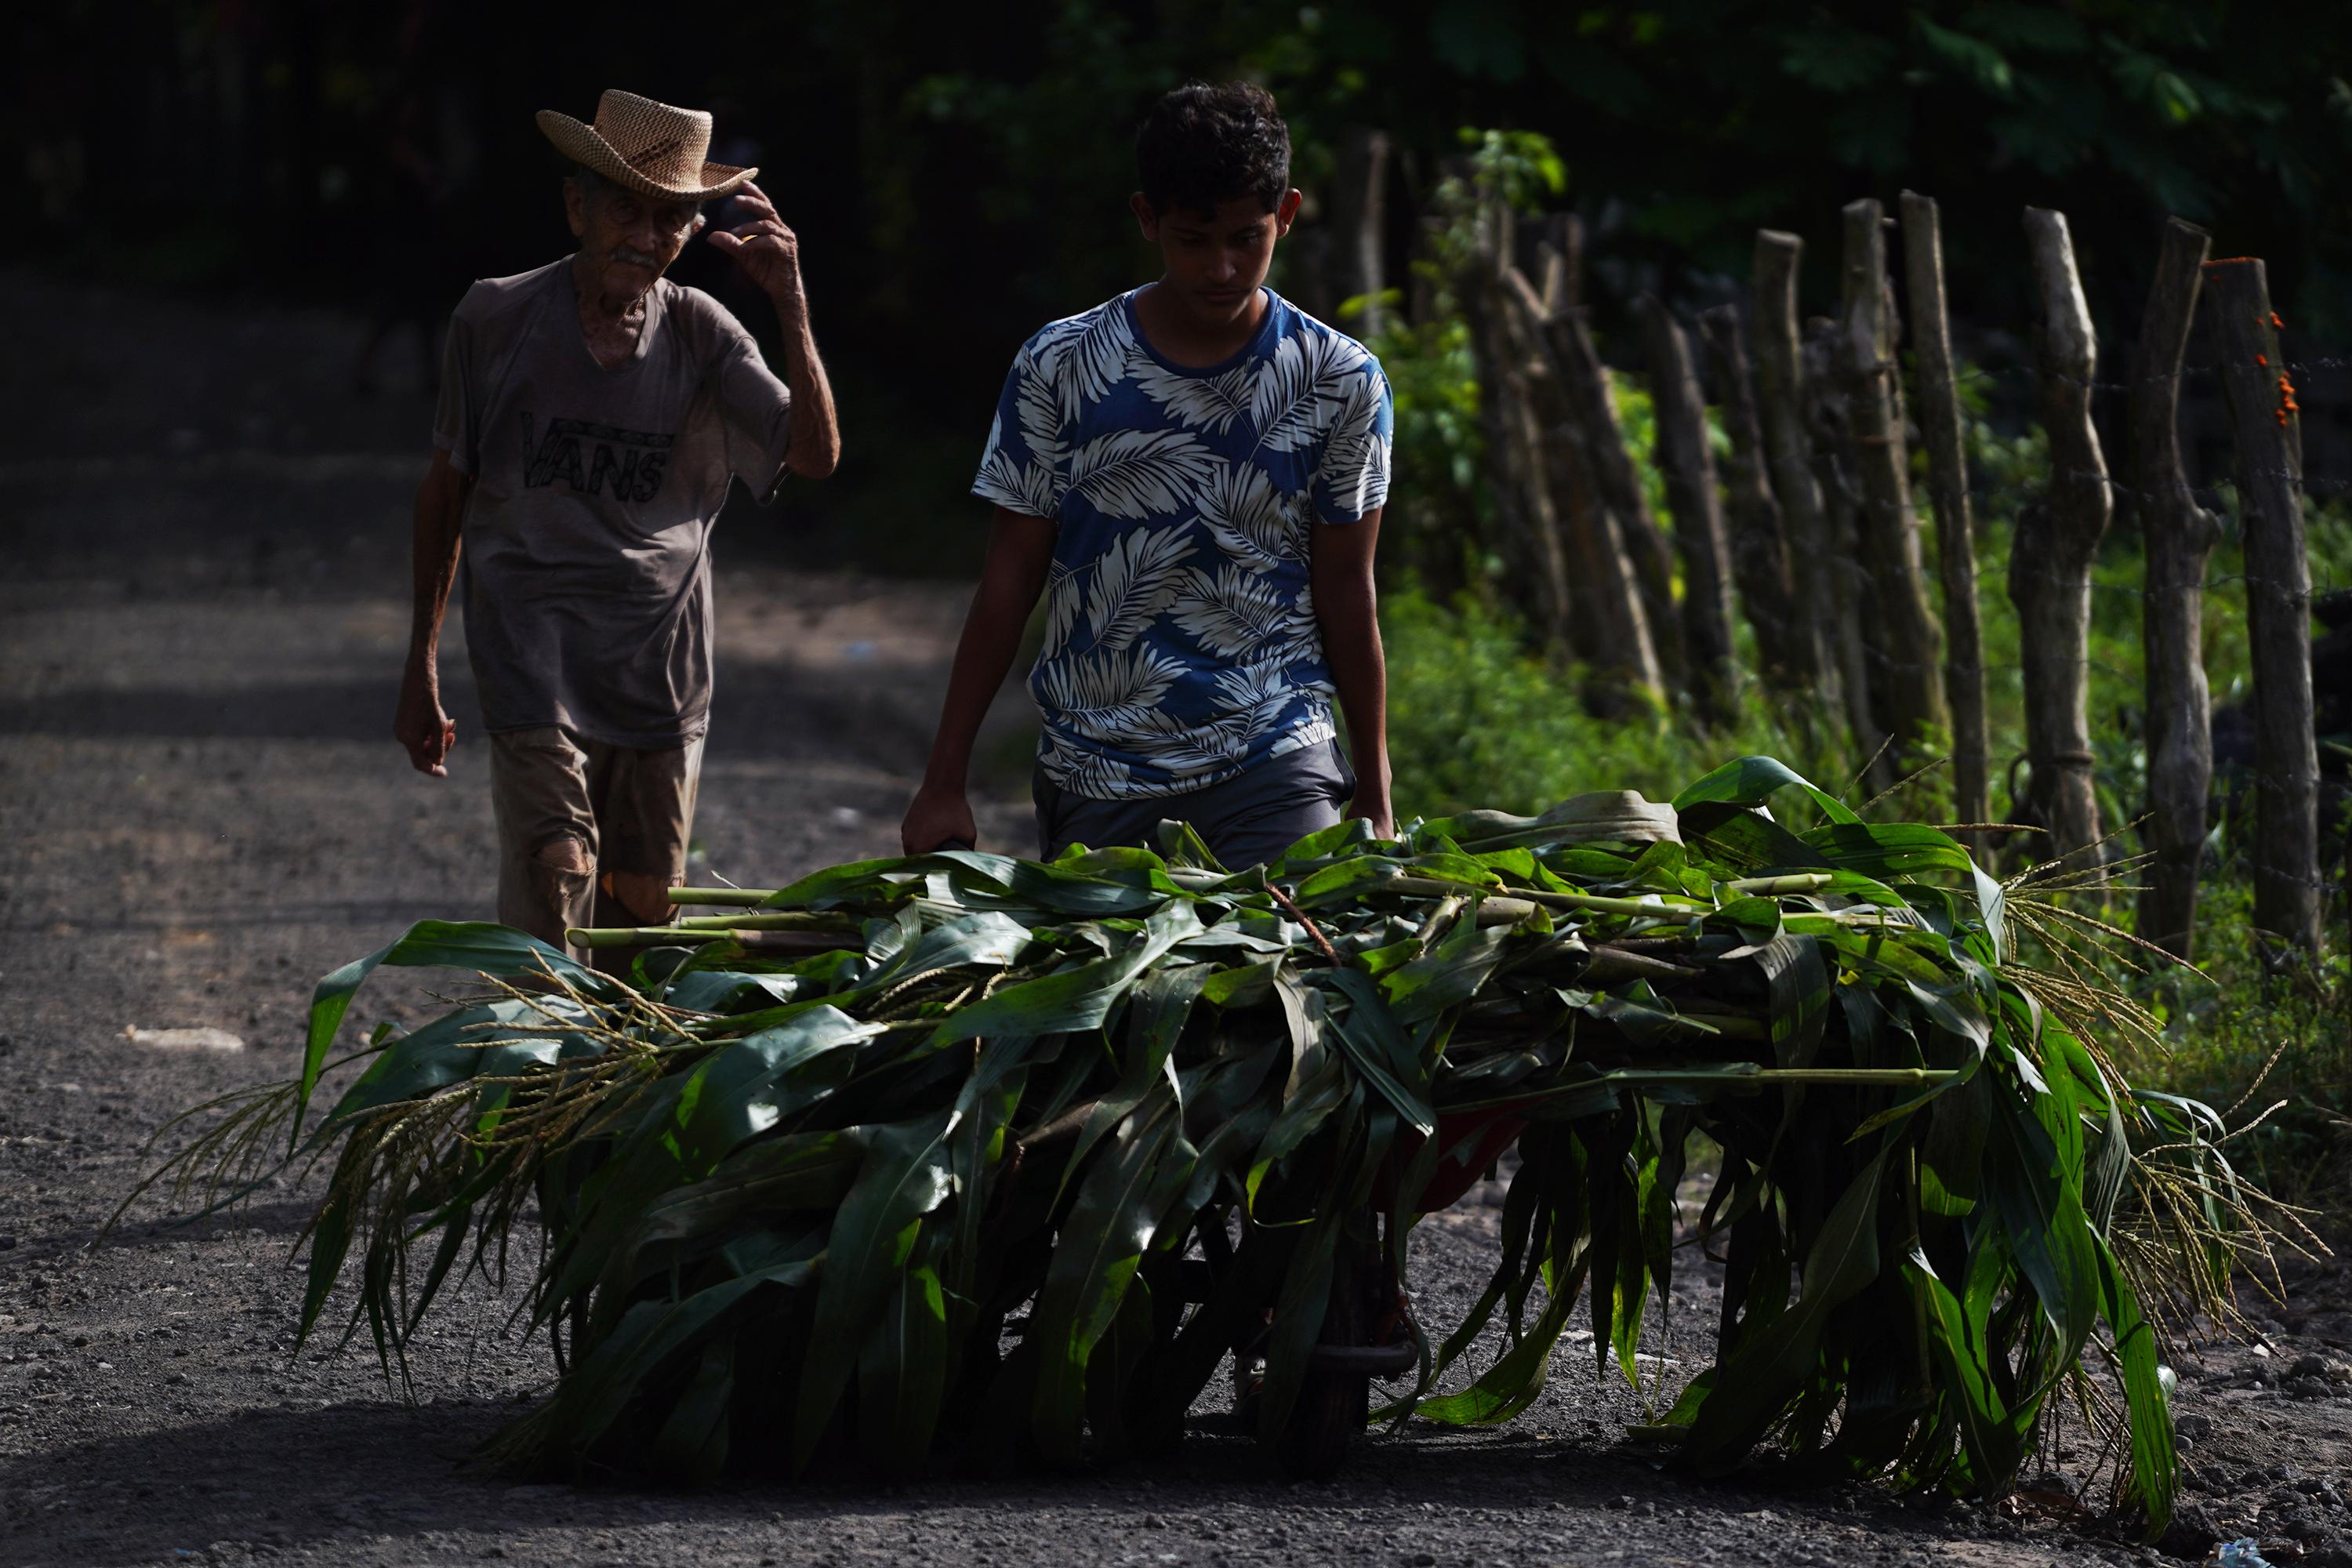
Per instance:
{"type": "Point", "coordinates": [770, 255]}
{"type": "Point", "coordinates": [1020, 553]}
{"type": "Point", "coordinates": [815, 449]}
{"type": "Point", "coordinates": [1346, 609]}
{"type": "Point", "coordinates": [419, 723]}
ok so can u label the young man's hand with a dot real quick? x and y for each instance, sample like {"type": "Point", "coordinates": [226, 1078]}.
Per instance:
{"type": "Point", "coordinates": [1020, 554]}
{"type": "Point", "coordinates": [1347, 608]}
{"type": "Point", "coordinates": [419, 724]}
{"type": "Point", "coordinates": [938, 817]}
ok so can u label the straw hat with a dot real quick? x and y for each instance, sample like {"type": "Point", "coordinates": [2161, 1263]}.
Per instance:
{"type": "Point", "coordinates": [650, 148]}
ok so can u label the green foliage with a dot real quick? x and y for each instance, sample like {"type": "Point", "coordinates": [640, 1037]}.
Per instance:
{"type": "Point", "coordinates": [788, 1206]}
{"type": "Point", "coordinates": [2228, 116]}
{"type": "Point", "coordinates": [1522, 167]}
{"type": "Point", "coordinates": [2236, 1035]}
{"type": "Point", "coordinates": [1439, 448]}
{"type": "Point", "coordinates": [1637, 418]}
{"type": "Point", "coordinates": [1435, 511]}
{"type": "Point", "coordinates": [1474, 715]}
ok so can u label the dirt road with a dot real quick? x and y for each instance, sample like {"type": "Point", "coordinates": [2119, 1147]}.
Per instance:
{"type": "Point", "coordinates": [201, 812]}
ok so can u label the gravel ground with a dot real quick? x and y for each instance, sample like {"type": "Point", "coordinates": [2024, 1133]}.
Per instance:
{"type": "Point", "coordinates": [201, 811]}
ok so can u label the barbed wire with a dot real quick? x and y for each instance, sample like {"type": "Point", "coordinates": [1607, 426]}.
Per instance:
{"type": "Point", "coordinates": [1977, 373]}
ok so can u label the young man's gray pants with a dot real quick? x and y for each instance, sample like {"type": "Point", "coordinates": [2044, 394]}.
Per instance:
{"type": "Point", "coordinates": [1246, 820]}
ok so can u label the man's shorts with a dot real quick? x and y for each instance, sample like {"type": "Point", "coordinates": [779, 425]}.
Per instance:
{"type": "Point", "coordinates": [589, 834]}
{"type": "Point", "coordinates": [1246, 820]}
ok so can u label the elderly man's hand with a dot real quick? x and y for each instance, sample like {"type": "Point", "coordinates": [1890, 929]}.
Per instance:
{"type": "Point", "coordinates": [420, 725]}
{"type": "Point", "coordinates": [768, 252]}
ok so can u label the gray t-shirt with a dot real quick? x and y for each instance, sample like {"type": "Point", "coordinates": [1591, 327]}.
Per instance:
{"type": "Point", "coordinates": [586, 552]}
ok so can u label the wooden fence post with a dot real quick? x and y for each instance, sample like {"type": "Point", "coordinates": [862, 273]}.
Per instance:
{"type": "Point", "coordinates": [1907, 643]}
{"type": "Point", "coordinates": [1688, 465]}
{"type": "Point", "coordinates": [2269, 433]}
{"type": "Point", "coordinates": [1760, 551]}
{"type": "Point", "coordinates": [1358, 223]}
{"type": "Point", "coordinates": [1612, 633]}
{"type": "Point", "coordinates": [1787, 449]}
{"type": "Point", "coordinates": [1594, 406]}
{"type": "Point", "coordinates": [1850, 622]}
{"type": "Point", "coordinates": [1561, 256]}
{"type": "Point", "coordinates": [1522, 499]}
{"type": "Point", "coordinates": [1948, 484]}
{"type": "Point", "coordinates": [2050, 566]}
{"type": "Point", "coordinates": [2178, 535]}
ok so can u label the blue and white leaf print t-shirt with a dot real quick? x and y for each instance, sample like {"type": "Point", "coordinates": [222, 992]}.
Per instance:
{"type": "Point", "coordinates": [1180, 642]}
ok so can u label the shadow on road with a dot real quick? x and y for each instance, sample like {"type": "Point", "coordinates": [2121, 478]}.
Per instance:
{"type": "Point", "coordinates": [381, 1474]}
{"type": "Point", "coordinates": [305, 710]}
{"type": "Point", "coordinates": [761, 711]}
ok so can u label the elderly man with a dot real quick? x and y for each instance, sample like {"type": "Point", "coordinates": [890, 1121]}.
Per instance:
{"type": "Point", "coordinates": [592, 416]}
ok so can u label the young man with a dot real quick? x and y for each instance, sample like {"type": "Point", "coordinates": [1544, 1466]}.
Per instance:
{"type": "Point", "coordinates": [592, 416]}
{"type": "Point", "coordinates": [1192, 475]}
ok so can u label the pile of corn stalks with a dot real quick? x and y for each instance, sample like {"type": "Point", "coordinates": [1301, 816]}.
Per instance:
{"type": "Point", "coordinates": [964, 1153]}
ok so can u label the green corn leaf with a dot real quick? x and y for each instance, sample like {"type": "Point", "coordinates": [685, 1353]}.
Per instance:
{"type": "Point", "coordinates": [1079, 997]}
{"type": "Point", "coordinates": [905, 1176]}
{"type": "Point", "coordinates": [1612, 816]}
{"type": "Point", "coordinates": [1750, 782]}
{"type": "Point", "coordinates": [469, 945]}
{"type": "Point", "coordinates": [1452, 974]}
{"type": "Point", "coordinates": [727, 991]}
{"type": "Point", "coordinates": [1102, 882]}
{"type": "Point", "coordinates": [811, 1172]}
{"type": "Point", "coordinates": [984, 940]}
{"type": "Point", "coordinates": [1754, 1384]}
{"type": "Point", "coordinates": [1162, 1003]}
{"type": "Point", "coordinates": [1324, 843]}
{"type": "Point", "coordinates": [1744, 842]}
{"type": "Point", "coordinates": [1645, 1235]}
{"type": "Point", "coordinates": [1315, 1100]}
{"type": "Point", "coordinates": [1993, 1439]}
{"type": "Point", "coordinates": [691, 1446]}
{"type": "Point", "coordinates": [1887, 850]}
{"type": "Point", "coordinates": [2155, 1459]}
{"type": "Point", "coordinates": [457, 1047]}
{"type": "Point", "coordinates": [748, 1085]}
{"type": "Point", "coordinates": [693, 1121]}
{"type": "Point", "coordinates": [1799, 984]}
{"type": "Point", "coordinates": [976, 1154]}
{"type": "Point", "coordinates": [1298, 1314]}
{"type": "Point", "coordinates": [1368, 1032]}
{"type": "Point", "coordinates": [759, 1182]}
{"type": "Point", "coordinates": [649, 1335]}
{"type": "Point", "coordinates": [2041, 1211]}
{"type": "Point", "coordinates": [902, 1374]}
{"type": "Point", "coordinates": [1367, 874]}
{"type": "Point", "coordinates": [1120, 1206]}
{"type": "Point", "coordinates": [1516, 1379]}
{"type": "Point", "coordinates": [1125, 1346]}
{"type": "Point", "coordinates": [856, 881]}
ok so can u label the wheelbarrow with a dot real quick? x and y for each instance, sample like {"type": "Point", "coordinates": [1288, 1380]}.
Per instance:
{"type": "Point", "coordinates": [1230, 1283]}
{"type": "Point", "coordinates": [1368, 1333]}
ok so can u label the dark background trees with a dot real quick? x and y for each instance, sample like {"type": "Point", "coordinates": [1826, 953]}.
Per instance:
{"type": "Point", "coordinates": [958, 172]}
